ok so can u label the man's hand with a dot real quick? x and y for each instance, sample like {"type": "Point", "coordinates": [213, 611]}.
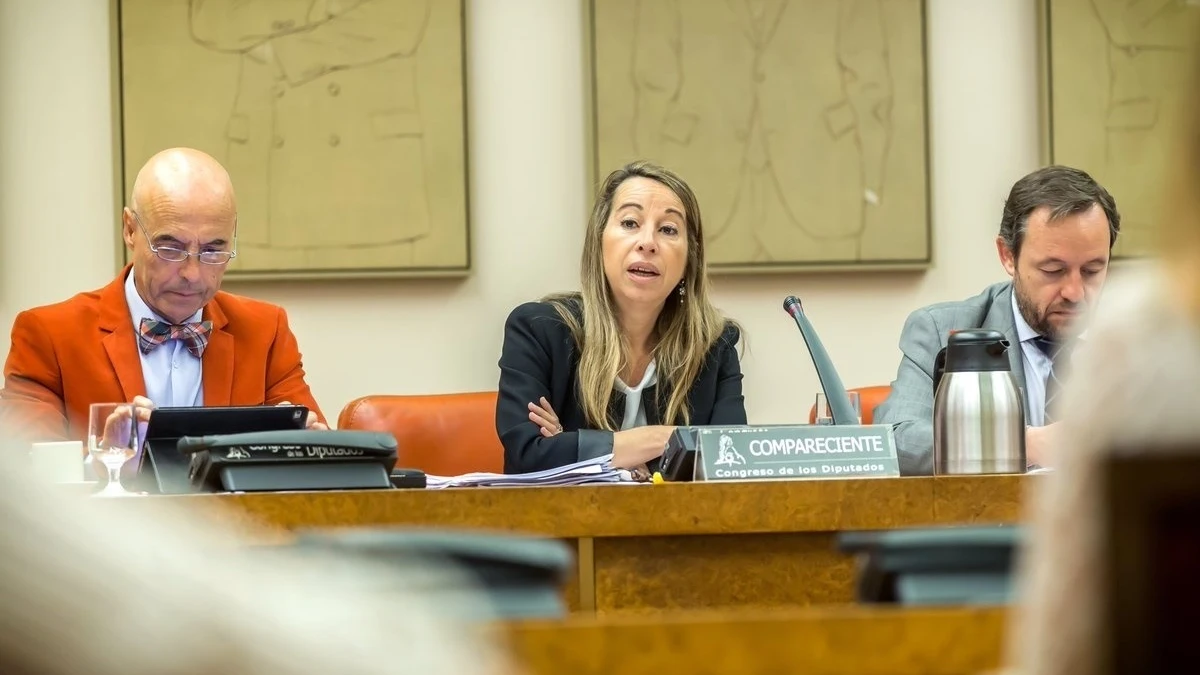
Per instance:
{"type": "Point", "coordinates": [312, 422]}
{"type": "Point", "coordinates": [118, 430]}
{"type": "Point", "coordinates": [144, 407]}
{"type": "Point", "coordinates": [1040, 444]}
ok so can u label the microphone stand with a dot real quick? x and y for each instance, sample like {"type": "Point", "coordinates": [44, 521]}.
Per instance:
{"type": "Point", "coordinates": [831, 383]}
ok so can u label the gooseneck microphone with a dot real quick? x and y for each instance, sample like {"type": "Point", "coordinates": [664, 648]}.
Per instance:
{"type": "Point", "coordinates": [831, 383]}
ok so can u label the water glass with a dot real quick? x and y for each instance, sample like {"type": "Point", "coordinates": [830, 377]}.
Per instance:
{"type": "Point", "coordinates": [113, 439]}
{"type": "Point", "coordinates": [825, 414]}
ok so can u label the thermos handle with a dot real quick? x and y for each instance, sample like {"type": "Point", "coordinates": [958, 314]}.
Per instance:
{"type": "Point", "coordinates": [997, 348]}
{"type": "Point", "coordinates": [939, 367]}
{"type": "Point", "coordinates": [939, 364]}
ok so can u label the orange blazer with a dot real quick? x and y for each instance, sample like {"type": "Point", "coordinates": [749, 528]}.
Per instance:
{"type": "Point", "coordinates": [84, 350]}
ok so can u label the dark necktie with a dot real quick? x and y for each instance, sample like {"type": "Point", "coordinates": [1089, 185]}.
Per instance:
{"type": "Point", "coordinates": [1053, 350]}
{"type": "Point", "coordinates": [153, 333]}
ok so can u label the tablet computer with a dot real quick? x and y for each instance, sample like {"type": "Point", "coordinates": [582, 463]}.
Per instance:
{"type": "Point", "coordinates": [176, 423]}
{"type": "Point", "coordinates": [163, 469]}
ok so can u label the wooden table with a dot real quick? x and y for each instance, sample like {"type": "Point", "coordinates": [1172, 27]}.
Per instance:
{"type": "Point", "coordinates": [813, 641]}
{"type": "Point", "coordinates": [653, 547]}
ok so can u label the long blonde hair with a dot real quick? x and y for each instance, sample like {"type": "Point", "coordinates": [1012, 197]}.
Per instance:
{"type": "Point", "coordinates": [687, 327]}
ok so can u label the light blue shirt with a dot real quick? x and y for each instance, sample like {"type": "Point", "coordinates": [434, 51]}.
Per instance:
{"type": "Point", "coordinates": [1037, 368]}
{"type": "Point", "coordinates": [173, 377]}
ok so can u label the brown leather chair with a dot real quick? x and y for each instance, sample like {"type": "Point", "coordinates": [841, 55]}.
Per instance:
{"type": "Point", "coordinates": [869, 398]}
{"type": "Point", "coordinates": [440, 434]}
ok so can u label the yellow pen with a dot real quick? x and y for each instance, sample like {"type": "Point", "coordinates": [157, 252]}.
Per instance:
{"type": "Point", "coordinates": [657, 478]}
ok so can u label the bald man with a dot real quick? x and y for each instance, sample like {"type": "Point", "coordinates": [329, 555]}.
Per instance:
{"type": "Point", "coordinates": [162, 333]}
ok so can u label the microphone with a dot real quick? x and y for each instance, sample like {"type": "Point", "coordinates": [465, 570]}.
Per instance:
{"type": "Point", "coordinates": [831, 383]}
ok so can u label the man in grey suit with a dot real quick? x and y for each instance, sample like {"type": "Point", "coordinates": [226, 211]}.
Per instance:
{"type": "Point", "coordinates": [1056, 237]}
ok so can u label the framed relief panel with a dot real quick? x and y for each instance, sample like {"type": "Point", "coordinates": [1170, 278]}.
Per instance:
{"type": "Point", "coordinates": [1113, 70]}
{"type": "Point", "coordinates": [800, 124]}
{"type": "Point", "coordinates": [341, 122]}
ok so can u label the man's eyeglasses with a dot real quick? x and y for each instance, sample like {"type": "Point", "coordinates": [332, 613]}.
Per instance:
{"type": "Point", "coordinates": [172, 254]}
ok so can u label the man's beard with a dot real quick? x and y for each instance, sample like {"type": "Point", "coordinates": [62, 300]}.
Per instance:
{"type": "Point", "coordinates": [1040, 321]}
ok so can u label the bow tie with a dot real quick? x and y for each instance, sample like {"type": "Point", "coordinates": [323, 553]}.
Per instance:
{"type": "Point", "coordinates": [153, 333]}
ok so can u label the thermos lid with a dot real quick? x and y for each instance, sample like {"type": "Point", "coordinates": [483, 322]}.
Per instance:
{"type": "Point", "coordinates": [976, 351]}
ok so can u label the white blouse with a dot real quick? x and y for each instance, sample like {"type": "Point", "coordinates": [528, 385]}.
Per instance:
{"type": "Point", "coordinates": [635, 412]}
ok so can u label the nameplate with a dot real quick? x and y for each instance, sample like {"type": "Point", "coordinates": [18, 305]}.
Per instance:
{"type": "Point", "coordinates": [795, 452]}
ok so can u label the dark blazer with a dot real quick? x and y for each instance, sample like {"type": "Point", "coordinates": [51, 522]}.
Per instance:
{"type": "Point", "coordinates": [540, 358]}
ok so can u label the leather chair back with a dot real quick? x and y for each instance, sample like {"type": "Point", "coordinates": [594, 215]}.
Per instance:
{"type": "Point", "coordinates": [440, 434]}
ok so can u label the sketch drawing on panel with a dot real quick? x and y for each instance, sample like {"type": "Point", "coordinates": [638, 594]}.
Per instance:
{"type": "Point", "coordinates": [1114, 70]}
{"type": "Point", "coordinates": [1139, 36]}
{"type": "Point", "coordinates": [341, 123]}
{"type": "Point", "coordinates": [311, 125]}
{"type": "Point", "coordinates": [782, 114]}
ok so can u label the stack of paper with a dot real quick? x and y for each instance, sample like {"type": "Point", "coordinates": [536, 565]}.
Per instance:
{"type": "Point", "coordinates": [598, 470]}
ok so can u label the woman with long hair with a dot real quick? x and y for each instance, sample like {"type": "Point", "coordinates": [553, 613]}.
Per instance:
{"type": "Point", "coordinates": [637, 351]}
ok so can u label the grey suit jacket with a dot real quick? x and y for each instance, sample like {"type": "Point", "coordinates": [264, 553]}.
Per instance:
{"type": "Point", "coordinates": [909, 408]}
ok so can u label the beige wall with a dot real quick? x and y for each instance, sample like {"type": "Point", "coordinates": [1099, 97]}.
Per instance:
{"type": "Point", "coordinates": [528, 203]}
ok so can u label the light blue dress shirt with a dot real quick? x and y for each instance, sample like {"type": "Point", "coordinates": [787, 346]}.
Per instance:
{"type": "Point", "coordinates": [1037, 368]}
{"type": "Point", "coordinates": [173, 377]}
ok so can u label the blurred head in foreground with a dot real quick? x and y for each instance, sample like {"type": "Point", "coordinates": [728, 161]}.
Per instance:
{"type": "Point", "coordinates": [1130, 391]}
{"type": "Point", "coordinates": [101, 588]}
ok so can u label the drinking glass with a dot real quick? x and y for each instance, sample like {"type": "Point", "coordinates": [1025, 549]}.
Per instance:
{"type": "Point", "coordinates": [825, 415]}
{"type": "Point", "coordinates": [113, 439]}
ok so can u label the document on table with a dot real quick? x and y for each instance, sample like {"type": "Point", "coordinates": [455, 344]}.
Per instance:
{"type": "Point", "coordinates": [587, 472]}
